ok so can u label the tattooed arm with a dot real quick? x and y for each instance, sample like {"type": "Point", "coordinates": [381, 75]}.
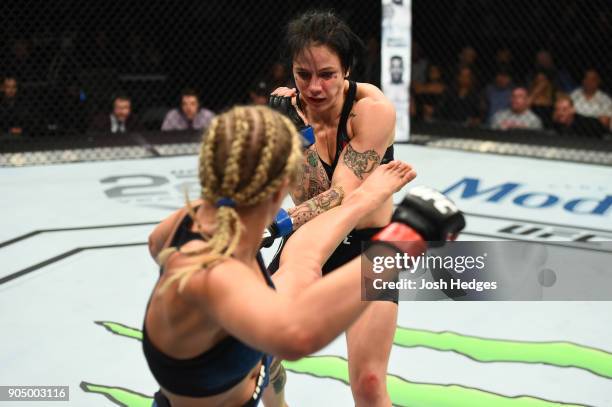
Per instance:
{"type": "Point", "coordinates": [312, 179]}
{"type": "Point", "coordinates": [313, 193]}
{"type": "Point", "coordinates": [373, 123]}
{"type": "Point", "coordinates": [316, 206]}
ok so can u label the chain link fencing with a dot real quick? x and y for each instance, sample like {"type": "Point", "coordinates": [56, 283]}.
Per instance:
{"type": "Point", "coordinates": [66, 66]}
{"type": "Point", "coordinates": [526, 65]}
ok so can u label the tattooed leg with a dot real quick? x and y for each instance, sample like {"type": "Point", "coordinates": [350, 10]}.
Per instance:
{"type": "Point", "coordinates": [274, 394]}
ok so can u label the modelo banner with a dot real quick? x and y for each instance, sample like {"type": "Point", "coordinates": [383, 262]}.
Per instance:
{"type": "Point", "coordinates": [494, 191]}
{"type": "Point", "coordinates": [395, 63]}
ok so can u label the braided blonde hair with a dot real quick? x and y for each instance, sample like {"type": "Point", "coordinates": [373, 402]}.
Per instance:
{"type": "Point", "coordinates": [246, 154]}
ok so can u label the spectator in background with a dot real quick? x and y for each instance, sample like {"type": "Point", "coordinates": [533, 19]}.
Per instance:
{"type": "Point", "coordinates": [567, 121]}
{"type": "Point", "coordinates": [497, 94]}
{"type": "Point", "coordinates": [418, 70]}
{"type": "Point", "coordinates": [519, 116]}
{"type": "Point", "coordinates": [190, 116]}
{"type": "Point", "coordinates": [468, 57]}
{"type": "Point", "coordinates": [544, 62]}
{"type": "Point", "coordinates": [589, 101]}
{"type": "Point", "coordinates": [21, 62]}
{"type": "Point", "coordinates": [278, 76]}
{"type": "Point", "coordinates": [428, 95]}
{"type": "Point", "coordinates": [412, 109]}
{"type": "Point", "coordinates": [371, 68]}
{"type": "Point", "coordinates": [543, 94]}
{"type": "Point", "coordinates": [259, 93]}
{"type": "Point", "coordinates": [120, 120]}
{"type": "Point", "coordinates": [461, 102]}
{"type": "Point", "coordinates": [13, 109]}
{"type": "Point", "coordinates": [504, 59]}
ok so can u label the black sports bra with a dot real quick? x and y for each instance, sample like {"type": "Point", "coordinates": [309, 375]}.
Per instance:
{"type": "Point", "coordinates": [216, 370]}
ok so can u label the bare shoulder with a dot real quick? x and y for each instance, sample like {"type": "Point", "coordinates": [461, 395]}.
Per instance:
{"type": "Point", "coordinates": [370, 101]}
{"type": "Point", "coordinates": [208, 283]}
{"type": "Point", "coordinates": [373, 111]}
{"type": "Point", "coordinates": [161, 236]}
{"type": "Point", "coordinates": [372, 116]}
{"type": "Point", "coordinates": [179, 214]}
{"type": "Point", "coordinates": [373, 108]}
{"type": "Point", "coordinates": [369, 91]}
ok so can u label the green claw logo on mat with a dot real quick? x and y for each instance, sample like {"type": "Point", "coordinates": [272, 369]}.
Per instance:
{"type": "Point", "coordinates": [406, 393]}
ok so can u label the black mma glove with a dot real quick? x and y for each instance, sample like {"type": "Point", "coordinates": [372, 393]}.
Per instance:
{"type": "Point", "coordinates": [283, 104]}
{"type": "Point", "coordinates": [424, 216]}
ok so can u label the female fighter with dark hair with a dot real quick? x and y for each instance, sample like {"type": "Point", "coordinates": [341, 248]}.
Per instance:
{"type": "Point", "coordinates": [354, 129]}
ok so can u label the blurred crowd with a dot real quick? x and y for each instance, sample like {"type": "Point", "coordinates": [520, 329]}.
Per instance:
{"type": "Point", "coordinates": [49, 90]}
{"type": "Point", "coordinates": [546, 98]}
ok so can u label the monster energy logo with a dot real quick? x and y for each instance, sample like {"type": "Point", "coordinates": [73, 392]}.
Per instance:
{"type": "Point", "coordinates": [406, 393]}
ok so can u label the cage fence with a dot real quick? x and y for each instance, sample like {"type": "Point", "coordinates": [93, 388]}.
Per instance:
{"type": "Point", "coordinates": [480, 68]}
